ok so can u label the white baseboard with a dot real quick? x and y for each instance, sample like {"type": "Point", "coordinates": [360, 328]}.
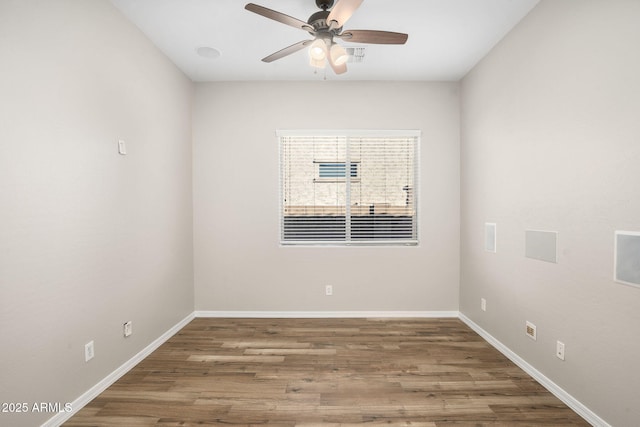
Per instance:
{"type": "Point", "coordinates": [94, 391]}
{"type": "Point", "coordinates": [326, 314]}
{"type": "Point", "coordinates": [561, 394]}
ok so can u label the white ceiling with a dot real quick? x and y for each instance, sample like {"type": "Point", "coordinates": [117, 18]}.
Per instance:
{"type": "Point", "coordinates": [446, 37]}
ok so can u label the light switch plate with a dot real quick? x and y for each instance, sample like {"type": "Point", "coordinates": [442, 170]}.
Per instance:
{"type": "Point", "coordinates": [128, 328]}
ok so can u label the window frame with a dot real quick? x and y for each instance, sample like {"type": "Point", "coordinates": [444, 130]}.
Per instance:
{"type": "Point", "coordinates": [350, 134]}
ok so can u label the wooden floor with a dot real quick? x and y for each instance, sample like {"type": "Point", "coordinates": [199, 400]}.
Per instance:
{"type": "Point", "coordinates": [305, 372]}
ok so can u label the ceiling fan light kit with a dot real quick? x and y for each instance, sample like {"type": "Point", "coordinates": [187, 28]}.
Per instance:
{"type": "Point", "coordinates": [318, 50]}
{"type": "Point", "coordinates": [324, 26]}
{"type": "Point", "coordinates": [338, 54]}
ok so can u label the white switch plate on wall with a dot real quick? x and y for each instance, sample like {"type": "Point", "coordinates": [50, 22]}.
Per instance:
{"type": "Point", "coordinates": [128, 328]}
{"type": "Point", "coordinates": [88, 351]}
{"type": "Point", "coordinates": [560, 350]}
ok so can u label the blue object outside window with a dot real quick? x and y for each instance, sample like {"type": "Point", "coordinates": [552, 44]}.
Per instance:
{"type": "Point", "coordinates": [336, 170]}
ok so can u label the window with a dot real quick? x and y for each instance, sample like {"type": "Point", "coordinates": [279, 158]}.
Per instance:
{"type": "Point", "coordinates": [373, 201]}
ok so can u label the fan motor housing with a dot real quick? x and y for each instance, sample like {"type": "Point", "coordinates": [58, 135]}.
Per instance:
{"type": "Point", "coordinates": [319, 22]}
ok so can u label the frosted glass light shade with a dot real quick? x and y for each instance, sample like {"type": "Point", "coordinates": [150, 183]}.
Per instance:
{"type": "Point", "coordinates": [338, 54]}
{"type": "Point", "coordinates": [318, 50]}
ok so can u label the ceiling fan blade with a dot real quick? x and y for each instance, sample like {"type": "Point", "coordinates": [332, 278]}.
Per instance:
{"type": "Point", "coordinates": [338, 69]}
{"type": "Point", "coordinates": [342, 11]}
{"type": "Point", "coordinates": [278, 16]}
{"type": "Point", "coordinates": [374, 37]}
{"type": "Point", "coordinates": [287, 51]}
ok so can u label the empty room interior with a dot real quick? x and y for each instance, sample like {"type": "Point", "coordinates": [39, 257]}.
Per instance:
{"type": "Point", "coordinates": [148, 185]}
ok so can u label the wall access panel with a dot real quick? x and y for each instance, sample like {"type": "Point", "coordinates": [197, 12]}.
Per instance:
{"type": "Point", "coordinates": [541, 245]}
{"type": "Point", "coordinates": [490, 237]}
{"type": "Point", "coordinates": [627, 257]}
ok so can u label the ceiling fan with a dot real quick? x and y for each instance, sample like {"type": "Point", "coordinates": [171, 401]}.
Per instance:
{"type": "Point", "coordinates": [325, 26]}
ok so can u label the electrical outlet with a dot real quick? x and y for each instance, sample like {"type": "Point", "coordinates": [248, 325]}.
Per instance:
{"type": "Point", "coordinates": [128, 328]}
{"type": "Point", "coordinates": [531, 331]}
{"type": "Point", "coordinates": [483, 304]}
{"type": "Point", "coordinates": [88, 351]}
{"type": "Point", "coordinates": [560, 350]}
{"type": "Point", "coordinates": [328, 290]}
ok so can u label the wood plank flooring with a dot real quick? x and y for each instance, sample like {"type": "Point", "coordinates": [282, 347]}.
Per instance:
{"type": "Point", "coordinates": [329, 372]}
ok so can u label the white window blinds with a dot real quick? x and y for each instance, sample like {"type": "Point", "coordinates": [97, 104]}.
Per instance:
{"type": "Point", "coordinates": [373, 201]}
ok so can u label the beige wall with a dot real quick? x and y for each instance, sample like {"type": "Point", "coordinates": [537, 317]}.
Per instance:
{"type": "Point", "coordinates": [550, 140]}
{"type": "Point", "coordinates": [88, 239]}
{"type": "Point", "coordinates": [238, 262]}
